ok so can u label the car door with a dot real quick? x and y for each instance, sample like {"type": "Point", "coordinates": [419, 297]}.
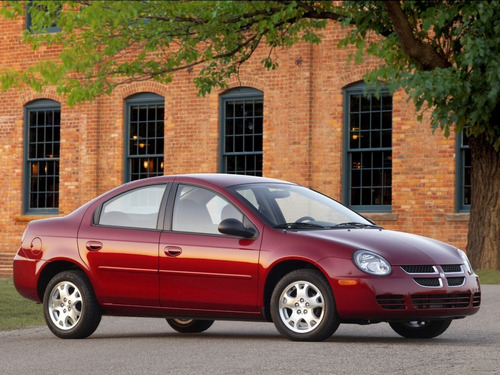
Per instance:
{"type": "Point", "coordinates": [200, 268]}
{"type": "Point", "coordinates": [120, 245]}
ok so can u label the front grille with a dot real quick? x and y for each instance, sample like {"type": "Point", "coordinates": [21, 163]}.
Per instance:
{"type": "Point", "coordinates": [433, 282]}
{"type": "Point", "coordinates": [448, 270]}
{"type": "Point", "coordinates": [476, 301]}
{"type": "Point", "coordinates": [440, 301]}
{"type": "Point", "coordinates": [392, 301]}
{"type": "Point", "coordinates": [455, 281]}
{"type": "Point", "coordinates": [452, 268]}
{"type": "Point", "coordinates": [419, 269]}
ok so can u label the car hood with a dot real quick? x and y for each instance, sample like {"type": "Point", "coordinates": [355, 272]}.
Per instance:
{"type": "Point", "coordinates": [396, 247]}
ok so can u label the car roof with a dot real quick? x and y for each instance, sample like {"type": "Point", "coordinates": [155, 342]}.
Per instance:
{"type": "Point", "coordinates": [217, 179]}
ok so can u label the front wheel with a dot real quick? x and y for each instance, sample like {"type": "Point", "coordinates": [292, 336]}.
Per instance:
{"type": "Point", "coordinates": [303, 306]}
{"type": "Point", "coordinates": [187, 325]}
{"type": "Point", "coordinates": [70, 307]}
{"type": "Point", "coordinates": [421, 329]}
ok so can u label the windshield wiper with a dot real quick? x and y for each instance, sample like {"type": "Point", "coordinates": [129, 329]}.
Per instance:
{"type": "Point", "coordinates": [298, 226]}
{"type": "Point", "coordinates": [354, 224]}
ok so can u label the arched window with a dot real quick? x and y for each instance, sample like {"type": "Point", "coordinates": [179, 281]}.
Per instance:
{"type": "Point", "coordinates": [241, 119]}
{"type": "Point", "coordinates": [41, 153]}
{"type": "Point", "coordinates": [367, 178]}
{"type": "Point", "coordinates": [144, 136]}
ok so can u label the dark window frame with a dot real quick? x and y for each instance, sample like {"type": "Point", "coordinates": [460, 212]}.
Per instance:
{"type": "Point", "coordinates": [34, 163]}
{"type": "Point", "coordinates": [48, 30]}
{"type": "Point", "coordinates": [462, 175]}
{"type": "Point", "coordinates": [145, 99]}
{"type": "Point", "coordinates": [231, 138]}
{"type": "Point", "coordinates": [377, 158]}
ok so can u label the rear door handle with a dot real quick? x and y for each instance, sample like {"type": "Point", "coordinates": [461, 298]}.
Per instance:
{"type": "Point", "coordinates": [93, 245]}
{"type": "Point", "coordinates": [172, 251]}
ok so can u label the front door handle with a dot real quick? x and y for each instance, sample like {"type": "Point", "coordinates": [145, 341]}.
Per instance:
{"type": "Point", "coordinates": [172, 251]}
{"type": "Point", "coordinates": [93, 245]}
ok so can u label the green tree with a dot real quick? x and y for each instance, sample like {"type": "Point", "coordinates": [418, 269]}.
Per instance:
{"type": "Point", "coordinates": [444, 54]}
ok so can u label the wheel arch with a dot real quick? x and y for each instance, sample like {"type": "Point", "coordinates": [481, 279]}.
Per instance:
{"type": "Point", "coordinates": [277, 272]}
{"type": "Point", "coordinates": [52, 269]}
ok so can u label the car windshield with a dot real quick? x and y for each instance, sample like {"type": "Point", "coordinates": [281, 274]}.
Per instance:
{"type": "Point", "coordinates": [288, 206]}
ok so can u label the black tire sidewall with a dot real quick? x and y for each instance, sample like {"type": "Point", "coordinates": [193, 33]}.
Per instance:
{"type": "Point", "coordinates": [193, 326]}
{"type": "Point", "coordinates": [330, 321]}
{"type": "Point", "coordinates": [430, 330]}
{"type": "Point", "coordinates": [91, 312]}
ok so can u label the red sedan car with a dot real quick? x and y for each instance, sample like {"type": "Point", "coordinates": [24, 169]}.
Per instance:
{"type": "Point", "coordinates": [196, 248]}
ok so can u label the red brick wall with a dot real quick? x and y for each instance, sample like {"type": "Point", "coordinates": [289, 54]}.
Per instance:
{"type": "Point", "coordinates": [303, 138]}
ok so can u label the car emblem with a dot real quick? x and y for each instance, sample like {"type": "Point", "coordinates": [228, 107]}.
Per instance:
{"type": "Point", "coordinates": [442, 275]}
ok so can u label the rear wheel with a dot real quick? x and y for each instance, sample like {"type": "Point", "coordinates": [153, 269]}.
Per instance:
{"type": "Point", "coordinates": [303, 307]}
{"type": "Point", "coordinates": [421, 329]}
{"type": "Point", "coordinates": [188, 325]}
{"type": "Point", "coordinates": [70, 307]}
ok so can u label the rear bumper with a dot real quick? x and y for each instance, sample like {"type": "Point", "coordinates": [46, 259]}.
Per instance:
{"type": "Point", "coordinates": [26, 276]}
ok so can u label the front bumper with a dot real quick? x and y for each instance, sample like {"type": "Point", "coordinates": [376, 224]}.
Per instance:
{"type": "Point", "coordinates": [403, 295]}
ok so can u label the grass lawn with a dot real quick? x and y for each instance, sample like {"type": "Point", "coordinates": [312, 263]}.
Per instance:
{"type": "Point", "coordinates": [18, 312]}
{"type": "Point", "coordinates": [489, 276]}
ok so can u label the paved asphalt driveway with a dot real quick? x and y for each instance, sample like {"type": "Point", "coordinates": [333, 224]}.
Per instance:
{"type": "Point", "coordinates": [149, 346]}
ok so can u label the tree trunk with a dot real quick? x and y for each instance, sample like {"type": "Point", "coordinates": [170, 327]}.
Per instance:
{"type": "Point", "coordinates": [483, 247]}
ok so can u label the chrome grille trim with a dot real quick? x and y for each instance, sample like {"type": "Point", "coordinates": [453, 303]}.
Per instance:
{"type": "Point", "coordinates": [453, 273]}
{"type": "Point", "coordinates": [456, 281]}
{"type": "Point", "coordinates": [453, 268]}
{"type": "Point", "coordinates": [416, 269]}
{"type": "Point", "coordinates": [429, 282]}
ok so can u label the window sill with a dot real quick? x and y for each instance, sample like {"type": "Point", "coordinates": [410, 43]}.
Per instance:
{"type": "Point", "coordinates": [28, 218]}
{"type": "Point", "coordinates": [381, 216]}
{"type": "Point", "coordinates": [459, 216]}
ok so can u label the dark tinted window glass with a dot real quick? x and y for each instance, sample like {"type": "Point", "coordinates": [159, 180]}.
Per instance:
{"type": "Point", "coordinates": [145, 143]}
{"type": "Point", "coordinates": [242, 120]}
{"type": "Point", "coordinates": [369, 150]}
{"type": "Point", "coordinates": [42, 157]}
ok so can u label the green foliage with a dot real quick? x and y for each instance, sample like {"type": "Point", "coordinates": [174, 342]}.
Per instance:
{"type": "Point", "coordinates": [466, 34]}
{"type": "Point", "coordinates": [107, 43]}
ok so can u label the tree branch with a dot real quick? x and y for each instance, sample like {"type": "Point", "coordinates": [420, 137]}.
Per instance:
{"type": "Point", "coordinates": [423, 53]}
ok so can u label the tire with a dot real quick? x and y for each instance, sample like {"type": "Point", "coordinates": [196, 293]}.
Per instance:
{"type": "Point", "coordinates": [70, 307]}
{"type": "Point", "coordinates": [421, 329]}
{"type": "Point", "coordinates": [187, 325]}
{"type": "Point", "coordinates": [303, 306]}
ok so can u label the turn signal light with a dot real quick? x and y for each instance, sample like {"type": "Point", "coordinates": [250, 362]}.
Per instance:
{"type": "Point", "coordinates": [348, 282]}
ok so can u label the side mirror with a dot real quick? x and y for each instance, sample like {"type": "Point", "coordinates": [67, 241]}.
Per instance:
{"type": "Point", "coordinates": [234, 227]}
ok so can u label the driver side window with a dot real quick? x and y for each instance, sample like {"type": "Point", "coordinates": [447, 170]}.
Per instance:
{"type": "Point", "coordinates": [199, 210]}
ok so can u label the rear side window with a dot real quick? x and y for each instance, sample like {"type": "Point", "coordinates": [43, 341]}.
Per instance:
{"type": "Point", "coordinates": [138, 208]}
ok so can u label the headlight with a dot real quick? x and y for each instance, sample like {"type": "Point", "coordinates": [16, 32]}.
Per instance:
{"type": "Point", "coordinates": [371, 263]}
{"type": "Point", "coordinates": [466, 261]}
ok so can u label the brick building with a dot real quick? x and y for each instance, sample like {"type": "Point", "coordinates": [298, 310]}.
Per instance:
{"type": "Point", "coordinates": [306, 122]}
